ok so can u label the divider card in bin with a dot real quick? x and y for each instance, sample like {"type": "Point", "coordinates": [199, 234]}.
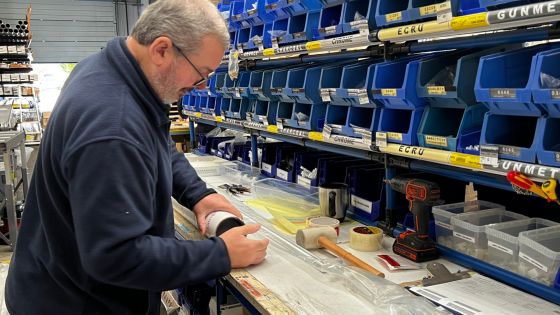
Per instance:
{"type": "Point", "coordinates": [539, 254]}
{"type": "Point", "coordinates": [444, 213]}
{"type": "Point", "coordinates": [329, 82]}
{"type": "Point", "coordinates": [546, 86]}
{"type": "Point", "coordinates": [361, 122]}
{"type": "Point", "coordinates": [353, 88]}
{"type": "Point", "coordinates": [330, 20]}
{"type": "Point", "coordinates": [469, 230]}
{"type": "Point", "coordinates": [359, 14]}
{"type": "Point", "coordinates": [504, 81]}
{"type": "Point", "coordinates": [303, 85]}
{"type": "Point", "coordinates": [306, 166]}
{"type": "Point", "coordinates": [367, 194]}
{"type": "Point", "coordinates": [503, 241]}
{"type": "Point", "coordinates": [300, 28]}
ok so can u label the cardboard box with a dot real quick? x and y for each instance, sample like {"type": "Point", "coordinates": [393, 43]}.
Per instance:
{"type": "Point", "coordinates": [45, 119]}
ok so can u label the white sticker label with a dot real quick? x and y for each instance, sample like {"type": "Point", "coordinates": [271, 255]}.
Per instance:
{"type": "Point", "coordinates": [489, 155]}
{"type": "Point", "coordinates": [533, 262]}
{"type": "Point", "coordinates": [327, 130]}
{"type": "Point", "coordinates": [464, 237]}
{"type": "Point", "coordinates": [282, 174]}
{"type": "Point", "coordinates": [366, 139]}
{"type": "Point", "coordinates": [500, 248]}
{"type": "Point", "coordinates": [363, 100]}
{"type": "Point", "coordinates": [361, 203]}
{"type": "Point", "coordinates": [303, 181]}
{"type": "Point", "coordinates": [325, 95]}
{"type": "Point", "coordinates": [381, 139]}
{"type": "Point", "coordinates": [240, 159]}
{"type": "Point", "coordinates": [266, 167]}
{"type": "Point", "coordinates": [444, 225]}
{"type": "Point", "coordinates": [279, 125]}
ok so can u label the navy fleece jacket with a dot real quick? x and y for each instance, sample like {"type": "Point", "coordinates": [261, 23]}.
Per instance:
{"type": "Point", "coordinates": [97, 234]}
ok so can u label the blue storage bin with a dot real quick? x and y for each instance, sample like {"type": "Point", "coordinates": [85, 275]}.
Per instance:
{"type": "Point", "coordinates": [361, 121]}
{"type": "Point", "coordinates": [202, 102]}
{"type": "Point", "coordinates": [300, 28]}
{"type": "Point", "coordinates": [303, 85]}
{"type": "Point", "coordinates": [232, 40]}
{"type": "Point", "coordinates": [548, 143]}
{"type": "Point", "coordinates": [207, 144]}
{"type": "Point", "coordinates": [390, 12]}
{"type": "Point", "coordinates": [260, 35]}
{"type": "Point", "coordinates": [353, 88]}
{"type": "Point", "coordinates": [237, 20]}
{"type": "Point", "coordinates": [276, 8]}
{"type": "Point", "coordinates": [334, 170]}
{"type": "Point", "coordinates": [545, 87]}
{"type": "Point", "coordinates": [279, 30]}
{"type": "Point", "coordinates": [260, 85]}
{"type": "Point", "coordinates": [242, 39]}
{"type": "Point", "coordinates": [420, 10]}
{"type": "Point", "coordinates": [309, 161]}
{"type": "Point", "coordinates": [189, 102]}
{"type": "Point", "coordinates": [465, 7]}
{"type": "Point", "coordinates": [269, 161]}
{"type": "Point", "coordinates": [278, 85]}
{"type": "Point", "coordinates": [394, 83]}
{"type": "Point", "coordinates": [365, 8]}
{"type": "Point", "coordinates": [284, 112]}
{"type": "Point", "coordinates": [265, 112]}
{"type": "Point", "coordinates": [214, 106]}
{"type": "Point", "coordinates": [401, 125]}
{"type": "Point", "coordinates": [229, 88]}
{"type": "Point", "coordinates": [329, 82]}
{"type": "Point", "coordinates": [295, 7]}
{"type": "Point", "coordinates": [366, 189]}
{"type": "Point", "coordinates": [330, 21]}
{"type": "Point", "coordinates": [238, 108]}
{"type": "Point", "coordinates": [220, 82]}
{"type": "Point", "coordinates": [243, 85]}
{"type": "Point", "coordinates": [315, 116]}
{"type": "Point", "coordinates": [503, 81]}
{"type": "Point", "coordinates": [516, 136]}
{"type": "Point", "coordinates": [336, 117]}
{"type": "Point", "coordinates": [498, 4]}
{"type": "Point", "coordinates": [285, 157]}
{"type": "Point", "coordinates": [224, 105]}
{"type": "Point", "coordinates": [446, 128]}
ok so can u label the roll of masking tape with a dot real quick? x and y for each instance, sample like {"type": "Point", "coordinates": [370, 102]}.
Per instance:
{"type": "Point", "coordinates": [324, 221]}
{"type": "Point", "coordinates": [366, 238]}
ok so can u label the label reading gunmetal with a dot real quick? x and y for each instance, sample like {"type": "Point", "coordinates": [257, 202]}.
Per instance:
{"type": "Point", "coordinates": [502, 93]}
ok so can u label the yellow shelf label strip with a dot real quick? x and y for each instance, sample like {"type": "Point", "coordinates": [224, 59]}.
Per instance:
{"type": "Point", "coordinates": [469, 21]}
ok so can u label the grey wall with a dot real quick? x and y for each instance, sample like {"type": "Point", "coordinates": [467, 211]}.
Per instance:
{"type": "Point", "coordinates": [64, 31]}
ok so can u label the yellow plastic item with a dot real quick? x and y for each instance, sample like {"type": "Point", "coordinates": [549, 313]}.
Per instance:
{"type": "Point", "coordinates": [289, 214]}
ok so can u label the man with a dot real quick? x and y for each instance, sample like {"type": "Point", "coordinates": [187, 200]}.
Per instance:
{"type": "Point", "coordinates": [97, 231]}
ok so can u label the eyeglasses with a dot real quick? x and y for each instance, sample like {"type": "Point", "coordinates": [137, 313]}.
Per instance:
{"type": "Point", "coordinates": [203, 79]}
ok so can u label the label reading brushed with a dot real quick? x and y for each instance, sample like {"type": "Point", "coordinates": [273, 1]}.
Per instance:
{"type": "Point", "coordinates": [394, 136]}
{"type": "Point", "coordinates": [500, 248]}
{"type": "Point", "coordinates": [381, 139]}
{"type": "Point", "coordinates": [502, 93]}
{"type": "Point", "coordinates": [392, 17]}
{"type": "Point", "coordinates": [282, 174]}
{"type": "Point", "coordinates": [436, 141]}
{"type": "Point", "coordinates": [464, 237]}
{"type": "Point", "coordinates": [266, 167]}
{"type": "Point", "coordinates": [436, 90]}
{"type": "Point", "coordinates": [555, 93]}
{"type": "Point", "coordinates": [510, 150]}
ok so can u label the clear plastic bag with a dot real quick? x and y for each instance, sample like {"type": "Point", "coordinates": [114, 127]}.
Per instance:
{"type": "Point", "coordinates": [358, 16]}
{"type": "Point", "coordinates": [301, 117]}
{"type": "Point", "coordinates": [445, 77]}
{"type": "Point", "coordinates": [550, 82]}
{"type": "Point", "coordinates": [233, 64]}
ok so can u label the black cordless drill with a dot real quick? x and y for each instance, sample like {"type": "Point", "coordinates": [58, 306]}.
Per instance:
{"type": "Point", "coordinates": [421, 195]}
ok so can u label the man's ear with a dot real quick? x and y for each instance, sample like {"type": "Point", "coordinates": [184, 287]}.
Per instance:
{"type": "Point", "coordinates": [161, 51]}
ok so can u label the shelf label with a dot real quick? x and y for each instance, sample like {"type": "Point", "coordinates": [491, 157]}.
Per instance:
{"type": "Point", "coordinates": [533, 262]}
{"type": "Point", "coordinates": [361, 203]}
{"type": "Point", "coordinates": [299, 35]}
{"type": "Point", "coordinates": [266, 167]}
{"type": "Point", "coordinates": [392, 17]}
{"type": "Point", "coordinates": [327, 130]}
{"type": "Point", "coordinates": [444, 14]}
{"type": "Point", "coordinates": [469, 21]}
{"type": "Point", "coordinates": [489, 155]}
{"type": "Point", "coordinates": [314, 45]}
{"type": "Point", "coordinates": [279, 125]}
{"type": "Point", "coordinates": [389, 92]}
{"type": "Point", "coordinates": [316, 136]}
{"type": "Point", "coordinates": [325, 95]}
{"type": "Point", "coordinates": [364, 99]}
{"type": "Point", "coordinates": [264, 119]}
{"type": "Point", "coordinates": [419, 29]}
{"type": "Point", "coordinates": [510, 150]}
{"type": "Point", "coordinates": [366, 139]}
{"type": "Point", "coordinates": [298, 90]}
{"type": "Point", "coordinates": [437, 90]}
{"type": "Point", "coordinates": [381, 139]}
{"type": "Point", "coordinates": [427, 10]}
{"type": "Point", "coordinates": [555, 93]}
{"type": "Point", "coordinates": [251, 12]}
{"type": "Point", "coordinates": [500, 248]}
{"type": "Point", "coordinates": [268, 52]}
{"type": "Point", "coordinates": [394, 136]}
{"type": "Point", "coordinates": [282, 174]}
{"type": "Point", "coordinates": [330, 30]}
{"type": "Point", "coordinates": [530, 11]}
{"type": "Point", "coordinates": [465, 160]}
{"type": "Point", "coordinates": [271, 6]}
{"type": "Point", "coordinates": [437, 141]}
{"type": "Point", "coordinates": [464, 237]}
{"type": "Point", "coordinates": [444, 225]}
{"type": "Point", "coordinates": [197, 115]}
{"type": "Point", "coordinates": [303, 181]}
{"type": "Point", "coordinates": [502, 93]}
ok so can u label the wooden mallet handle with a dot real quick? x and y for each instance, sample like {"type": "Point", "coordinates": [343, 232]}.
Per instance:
{"type": "Point", "coordinates": [351, 259]}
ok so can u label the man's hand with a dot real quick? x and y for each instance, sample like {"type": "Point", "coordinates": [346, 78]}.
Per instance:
{"type": "Point", "coordinates": [242, 251]}
{"type": "Point", "coordinates": [209, 204]}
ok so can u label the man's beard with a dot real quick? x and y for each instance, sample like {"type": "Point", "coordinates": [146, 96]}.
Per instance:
{"type": "Point", "coordinates": [165, 86]}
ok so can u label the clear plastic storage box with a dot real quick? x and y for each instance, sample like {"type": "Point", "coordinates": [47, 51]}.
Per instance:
{"type": "Point", "coordinates": [469, 230]}
{"type": "Point", "coordinates": [539, 254]}
{"type": "Point", "coordinates": [242, 174]}
{"type": "Point", "coordinates": [503, 240]}
{"type": "Point", "coordinates": [443, 214]}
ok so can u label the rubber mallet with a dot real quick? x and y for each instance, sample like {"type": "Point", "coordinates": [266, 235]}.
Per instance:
{"type": "Point", "coordinates": [325, 237]}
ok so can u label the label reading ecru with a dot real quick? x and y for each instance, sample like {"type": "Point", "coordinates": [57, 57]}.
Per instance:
{"type": "Point", "coordinates": [502, 93]}
{"type": "Point", "coordinates": [392, 17]}
{"type": "Point", "coordinates": [500, 248]}
{"type": "Point", "coordinates": [436, 141]}
{"type": "Point", "coordinates": [464, 237]}
{"type": "Point", "coordinates": [533, 262]}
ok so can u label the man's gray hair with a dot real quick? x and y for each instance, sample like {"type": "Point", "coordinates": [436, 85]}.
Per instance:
{"type": "Point", "coordinates": [185, 22]}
